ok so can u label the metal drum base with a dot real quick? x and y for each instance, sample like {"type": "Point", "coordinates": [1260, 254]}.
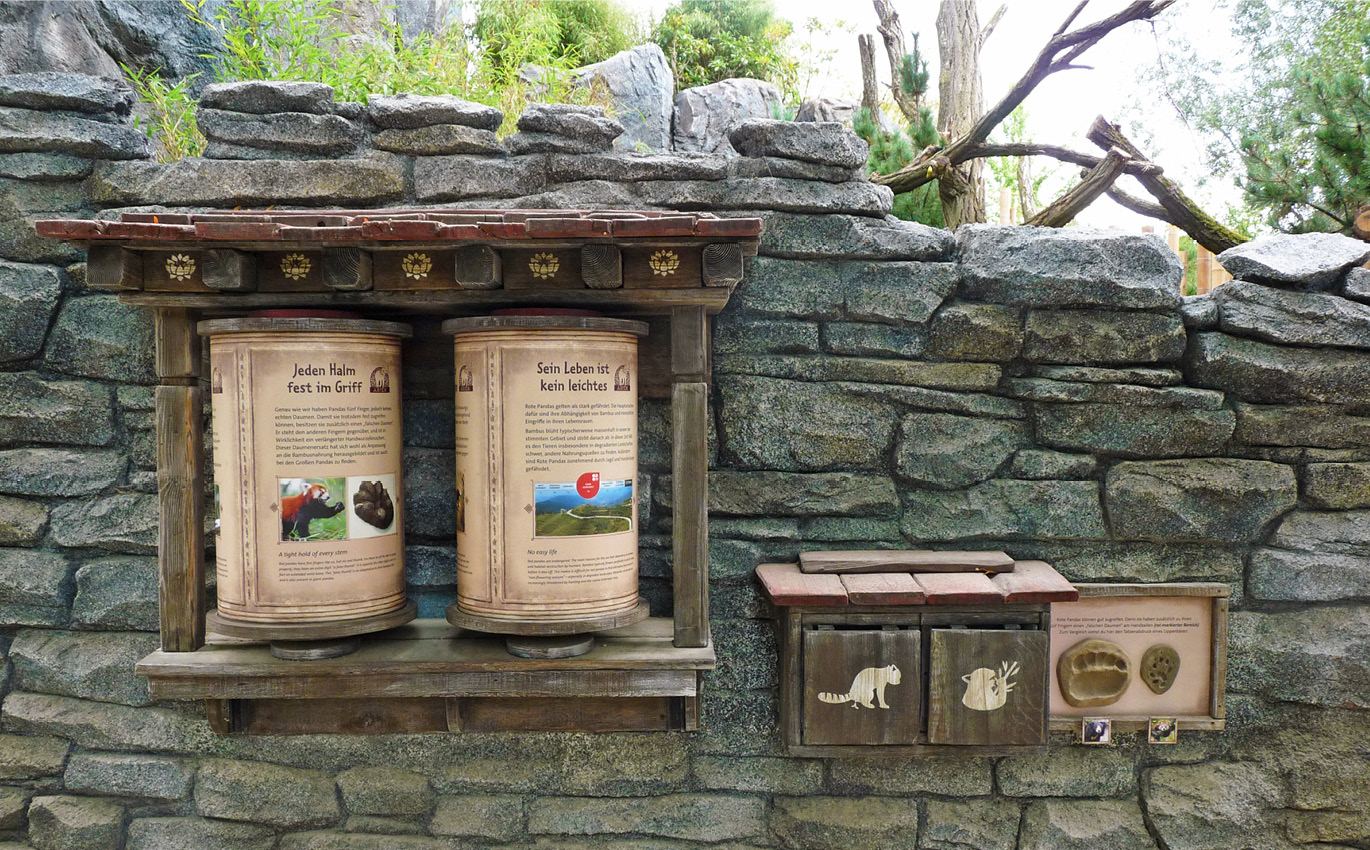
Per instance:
{"type": "Point", "coordinates": [311, 641]}
{"type": "Point", "coordinates": [548, 638]}
{"type": "Point", "coordinates": [559, 646]}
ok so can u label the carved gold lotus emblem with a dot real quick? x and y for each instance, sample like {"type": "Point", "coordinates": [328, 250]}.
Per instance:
{"type": "Point", "coordinates": [664, 262]}
{"type": "Point", "coordinates": [543, 265]}
{"type": "Point", "coordinates": [180, 266]}
{"type": "Point", "coordinates": [417, 265]}
{"type": "Point", "coordinates": [295, 266]}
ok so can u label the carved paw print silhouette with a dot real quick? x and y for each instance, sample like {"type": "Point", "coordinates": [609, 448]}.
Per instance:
{"type": "Point", "coordinates": [1160, 666]}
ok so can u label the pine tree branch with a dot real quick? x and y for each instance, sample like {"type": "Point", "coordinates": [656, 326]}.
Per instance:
{"type": "Point", "coordinates": [893, 34]}
{"type": "Point", "coordinates": [1070, 42]}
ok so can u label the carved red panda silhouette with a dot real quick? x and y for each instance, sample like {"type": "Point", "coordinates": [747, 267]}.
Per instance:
{"type": "Point", "coordinates": [297, 511]}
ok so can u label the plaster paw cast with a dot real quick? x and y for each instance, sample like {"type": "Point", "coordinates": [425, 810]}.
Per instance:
{"type": "Point", "coordinates": [987, 690]}
{"type": "Point", "coordinates": [868, 685]}
{"type": "Point", "coordinates": [1160, 666]}
{"type": "Point", "coordinates": [372, 504]}
{"type": "Point", "coordinates": [1093, 672]}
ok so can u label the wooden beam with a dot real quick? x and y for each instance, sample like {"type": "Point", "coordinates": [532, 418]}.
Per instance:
{"type": "Point", "coordinates": [478, 267]}
{"type": "Point", "coordinates": [112, 267]}
{"type": "Point", "coordinates": [690, 511]}
{"type": "Point", "coordinates": [177, 345]}
{"type": "Point", "coordinates": [180, 499]}
{"type": "Point", "coordinates": [601, 266]}
{"type": "Point", "coordinates": [722, 264]}
{"type": "Point", "coordinates": [689, 344]}
{"type": "Point", "coordinates": [228, 270]}
{"type": "Point", "coordinates": [347, 269]}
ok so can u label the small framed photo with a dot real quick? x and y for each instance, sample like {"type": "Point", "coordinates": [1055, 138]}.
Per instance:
{"type": "Point", "coordinates": [1162, 730]}
{"type": "Point", "coordinates": [1096, 730]}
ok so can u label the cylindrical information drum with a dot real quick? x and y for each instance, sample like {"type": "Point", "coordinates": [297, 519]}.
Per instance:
{"type": "Point", "coordinates": [307, 468]}
{"type": "Point", "coordinates": [546, 446]}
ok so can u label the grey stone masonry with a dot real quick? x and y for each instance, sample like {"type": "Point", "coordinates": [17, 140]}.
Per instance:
{"type": "Point", "coordinates": [1310, 261]}
{"type": "Point", "coordinates": [56, 92]}
{"type": "Point", "coordinates": [410, 112]}
{"type": "Point", "coordinates": [264, 97]}
{"type": "Point", "coordinates": [875, 384]}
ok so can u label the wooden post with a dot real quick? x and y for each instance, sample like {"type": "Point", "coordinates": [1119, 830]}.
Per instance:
{"type": "Point", "coordinates": [1204, 278]}
{"type": "Point", "coordinates": [1005, 206]}
{"type": "Point", "coordinates": [180, 482]}
{"type": "Point", "coordinates": [690, 474]}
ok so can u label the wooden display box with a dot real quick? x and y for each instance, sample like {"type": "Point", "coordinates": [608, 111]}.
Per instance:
{"type": "Point", "coordinates": [903, 664]}
{"type": "Point", "coordinates": [421, 265]}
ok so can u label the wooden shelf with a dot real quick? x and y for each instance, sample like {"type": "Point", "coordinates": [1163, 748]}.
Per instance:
{"type": "Point", "coordinates": [433, 658]}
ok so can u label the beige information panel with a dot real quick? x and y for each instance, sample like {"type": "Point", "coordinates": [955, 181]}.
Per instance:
{"type": "Point", "coordinates": [1136, 651]}
{"type": "Point", "coordinates": [546, 466]}
{"type": "Point", "coordinates": [307, 469]}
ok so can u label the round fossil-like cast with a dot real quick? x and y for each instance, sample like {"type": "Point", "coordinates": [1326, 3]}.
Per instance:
{"type": "Point", "coordinates": [1093, 672]}
{"type": "Point", "coordinates": [1160, 666]}
{"type": "Point", "coordinates": [372, 503]}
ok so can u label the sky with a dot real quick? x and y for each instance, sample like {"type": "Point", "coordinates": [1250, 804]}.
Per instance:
{"type": "Point", "coordinates": [1061, 108]}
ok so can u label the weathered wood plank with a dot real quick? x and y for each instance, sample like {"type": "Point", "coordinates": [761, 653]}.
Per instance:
{"type": "Point", "coordinates": [896, 560]}
{"type": "Point", "coordinates": [987, 687]}
{"type": "Point", "coordinates": [959, 589]}
{"type": "Point", "coordinates": [862, 687]}
{"type": "Point", "coordinates": [656, 267]}
{"type": "Point", "coordinates": [180, 497]}
{"type": "Point", "coordinates": [572, 714]}
{"type": "Point", "coordinates": [546, 268]}
{"type": "Point", "coordinates": [666, 225]}
{"type": "Point", "coordinates": [883, 589]}
{"type": "Point", "coordinates": [358, 716]}
{"type": "Point", "coordinates": [417, 269]}
{"type": "Point", "coordinates": [1035, 581]}
{"type": "Point", "coordinates": [638, 301]}
{"type": "Point", "coordinates": [784, 584]}
{"type": "Point", "coordinates": [690, 511]}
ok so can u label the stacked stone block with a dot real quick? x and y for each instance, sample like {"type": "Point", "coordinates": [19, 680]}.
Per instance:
{"type": "Point", "coordinates": [877, 383]}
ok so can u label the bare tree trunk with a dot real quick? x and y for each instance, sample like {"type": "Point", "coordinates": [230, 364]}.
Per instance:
{"type": "Point", "coordinates": [960, 105]}
{"type": "Point", "coordinates": [1027, 205]}
{"type": "Point", "coordinates": [893, 34]}
{"type": "Point", "coordinates": [870, 95]}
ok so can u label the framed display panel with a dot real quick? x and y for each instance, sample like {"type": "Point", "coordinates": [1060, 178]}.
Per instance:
{"type": "Point", "coordinates": [421, 266]}
{"type": "Point", "coordinates": [1175, 635]}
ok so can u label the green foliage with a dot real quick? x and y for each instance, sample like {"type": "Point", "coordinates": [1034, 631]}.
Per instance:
{"type": "Point", "coordinates": [170, 114]}
{"type": "Point", "coordinates": [1009, 171]}
{"type": "Point", "coordinates": [1318, 185]}
{"type": "Point", "coordinates": [913, 72]}
{"type": "Point", "coordinates": [513, 33]}
{"type": "Point", "coordinates": [711, 40]}
{"type": "Point", "coordinates": [892, 151]}
{"type": "Point", "coordinates": [1258, 110]}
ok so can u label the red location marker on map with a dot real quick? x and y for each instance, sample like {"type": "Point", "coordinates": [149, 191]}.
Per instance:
{"type": "Point", "coordinates": [587, 485]}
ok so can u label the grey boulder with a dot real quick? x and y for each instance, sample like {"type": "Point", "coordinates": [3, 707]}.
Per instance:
{"type": "Point", "coordinates": [705, 115]}
{"type": "Point", "coordinates": [1295, 261]}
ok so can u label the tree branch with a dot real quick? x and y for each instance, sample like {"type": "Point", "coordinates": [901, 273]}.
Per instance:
{"type": "Point", "coordinates": [1141, 206]}
{"type": "Point", "coordinates": [1048, 61]}
{"type": "Point", "coordinates": [988, 29]}
{"type": "Point", "coordinates": [1181, 210]}
{"type": "Point", "coordinates": [1063, 210]}
{"type": "Point", "coordinates": [1088, 160]}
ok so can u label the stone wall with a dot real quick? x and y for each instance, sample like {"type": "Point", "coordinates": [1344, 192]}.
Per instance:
{"type": "Point", "coordinates": [876, 384]}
